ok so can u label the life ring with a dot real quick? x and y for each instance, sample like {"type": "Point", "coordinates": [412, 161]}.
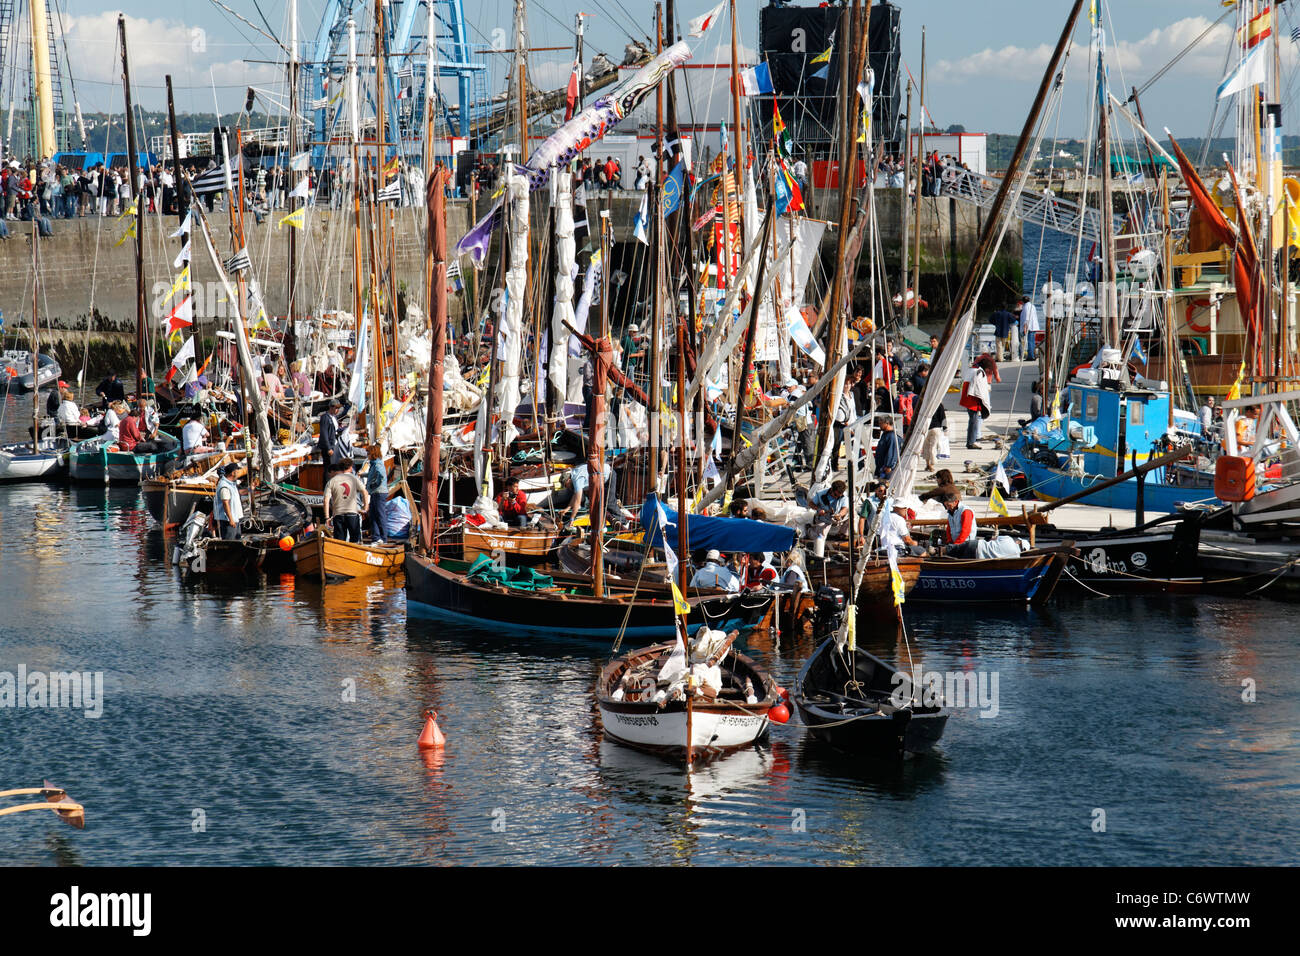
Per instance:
{"type": "Point", "coordinates": [1187, 315]}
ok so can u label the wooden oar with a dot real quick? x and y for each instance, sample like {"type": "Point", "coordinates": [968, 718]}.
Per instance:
{"type": "Point", "coordinates": [56, 799]}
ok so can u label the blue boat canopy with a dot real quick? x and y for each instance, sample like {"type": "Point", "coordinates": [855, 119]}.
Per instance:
{"type": "Point", "coordinates": [724, 534]}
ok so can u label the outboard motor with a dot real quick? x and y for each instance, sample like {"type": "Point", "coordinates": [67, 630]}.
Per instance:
{"type": "Point", "coordinates": [188, 547]}
{"type": "Point", "coordinates": [828, 611]}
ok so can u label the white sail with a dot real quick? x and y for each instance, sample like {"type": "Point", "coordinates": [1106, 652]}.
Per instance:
{"type": "Point", "coordinates": [565, 270]}
{"type": "Point", "coordinates": [510, 334]}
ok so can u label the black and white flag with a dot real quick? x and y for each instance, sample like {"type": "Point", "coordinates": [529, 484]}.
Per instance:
{"type": "Point", "coordinates": [212, 180]}
{"type": "Point", "coordinates": [391, 193]}
{"type": "Point", "coordinates": [239, 262]}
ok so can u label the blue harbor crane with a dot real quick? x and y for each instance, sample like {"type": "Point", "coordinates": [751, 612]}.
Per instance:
{"type": "Point", "coordinates": [409, 25]}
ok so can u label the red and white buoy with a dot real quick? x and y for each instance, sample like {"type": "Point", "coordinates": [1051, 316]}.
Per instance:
{"type": "Point", "coordinates": [431, 737]}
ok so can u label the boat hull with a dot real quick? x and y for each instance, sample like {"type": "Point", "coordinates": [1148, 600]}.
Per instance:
{"type": "Point", "coordinates": [325, 557]}
{"type": "Point", "coordinates": [519, 545]}
{"type": "Point", "coordinates": [444, 590]}
{"type": "Point", "coordinates": [878, 729]}
{"type": "Point", "coordinates": [20, 462]}
{"type": "Point", "coordinates": [1030, 578]}
{"type": "Point", "coordinates": [92, 461]}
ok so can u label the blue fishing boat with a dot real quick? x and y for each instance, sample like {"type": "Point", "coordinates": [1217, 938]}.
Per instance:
{"type": "Point", "coordinates": [1028, 579]}
{"type": "Point", "coordinates": [1105, 429]}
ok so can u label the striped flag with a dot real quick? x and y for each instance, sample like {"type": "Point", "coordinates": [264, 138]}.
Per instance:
{"type": "Point", "coordinates": [239, 262]}
{"type": "Point", "coordinates": [212, 180]}
{"type": "Point", "coordinates": [391, 193]}
{"type": "Point", "coordinates": [1295, 35]}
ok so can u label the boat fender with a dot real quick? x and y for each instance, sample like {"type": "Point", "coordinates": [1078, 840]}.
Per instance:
{"type": "Point", "coordinates": [431, 738]}
{"type": "Point", "coordinates": [779, 714]}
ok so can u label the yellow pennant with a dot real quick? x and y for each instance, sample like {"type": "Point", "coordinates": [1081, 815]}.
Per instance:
{"type": "Point", "coordinates": [896, 582]}
{"type": "Point", "coordinates": [294, 218]}
{"type": "Point", "coordinates": [679, 603]}
{"type": "Point", "coordinates": [129, 234]}
{"type": "Point", "coordinates": [182, 285]}
{"type": "Point", "coordinates": [1235, 391]}
{"type": "Point", "coordinates": [996, 504]}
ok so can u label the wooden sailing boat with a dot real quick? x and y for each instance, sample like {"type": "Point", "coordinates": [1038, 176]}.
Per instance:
{"type": "Point", "coordinates": [41, 458]}
{"type": "Point", "coordinates": [319, 553]}
{"type": "Point", "coordinates": [101, 459]}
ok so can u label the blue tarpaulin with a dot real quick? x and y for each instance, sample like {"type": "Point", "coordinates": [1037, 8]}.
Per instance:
{"type": "Point", "coordinates": [725, 534]}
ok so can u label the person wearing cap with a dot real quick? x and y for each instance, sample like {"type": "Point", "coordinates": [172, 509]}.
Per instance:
{"type": "Point", "coordinates": [345, 500]}
{"type": "Point", "coordinates": [54, 398]}
{"type": "Point", "coordinates": [713, 574]}
{"type": "Point", "coordinates": [633, 351]}
{"type": "Point", "coordinates": [227, 508]}
{"type": "Point", "coordinates": [895, 534]}
{"type": "Point", "coordinates": [871, 505]}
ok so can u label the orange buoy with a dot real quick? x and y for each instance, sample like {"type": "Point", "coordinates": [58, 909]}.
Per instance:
{"type": "Point", "coordinates": [431, 737]}
{"type": "Point", "coordinates": [286, 543]}
{"type": "Point", "coordinates": [780, 714]}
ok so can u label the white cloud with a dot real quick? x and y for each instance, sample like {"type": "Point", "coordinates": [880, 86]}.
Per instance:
{"type": "Point", "coordinates": [157, 47]}
{"type": "Point", "coordinates": [1137, 59]}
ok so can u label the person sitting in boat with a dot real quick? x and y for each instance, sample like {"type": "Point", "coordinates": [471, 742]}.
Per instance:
{"type": "Point", "coordinates": [112, 420]}
{"type": "Point", "coordinates": [130, 433]}
{"type": "Point", "coordinates": [512, 504]}
{"type": "Point", "coordinates": [194, 438]}
{"type": "Point", "coordinates": [759, 573]}
{"type": "Point", "coordinates": [54, 398]}
{"type": "Point", "coordinates": [345, 499]}
{"type": "Point", "coordinates": [227, 508]}
{"type": "Point", "coordinates": [871, 505]}
{"type": "Point", "coordinates": [713, 574]}
{"type": "Point", "coordinates": [272, 387]}
{"type": "Point", "coordinates": [68, 414]}
{"type": "Point", "coordinates": [832, 505]}
{"type": "Point", "coordinates": [580, 478]}
{"type": "Point", "coordinates": [300, 380]}
{"type": "Point", "coordinates": [896, 533]}
{"type": "Point", "coordinates": [376, 476]}
{"type": "Point", "coordinates": [795, 578]}
{"type": "Point", "coordinates": [959, 536]}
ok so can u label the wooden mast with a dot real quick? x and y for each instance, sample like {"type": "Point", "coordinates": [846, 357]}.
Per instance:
{"type": "Point", "coordinates": [291, 337]}
{"type": "Point", "coordinates": [657, 291]}
{"type": "Point", "coordinates": [851, 67]}
{"type": "Point", "coordinates": [436, 257]}
{"type": "Point", "coordinates": [354, 113]}
{"type": "Point", "coordinates": [1111, 298]}
{"type": "Point", "coordinates": [134, 172]}
{"type": "Point", "coordinates": [920, 163]}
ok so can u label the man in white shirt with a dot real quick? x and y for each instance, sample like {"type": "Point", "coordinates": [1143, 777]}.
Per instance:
{"type": "Point", "coordinates": [1029, 327]}
{"type": "Point", "coordinates": [714, 574]}
{"type": "Point", "coordinates": [194, 437]}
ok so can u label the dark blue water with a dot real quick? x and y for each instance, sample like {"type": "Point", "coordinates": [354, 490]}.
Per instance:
{"type": "Point", "coordinates": [225, 706]}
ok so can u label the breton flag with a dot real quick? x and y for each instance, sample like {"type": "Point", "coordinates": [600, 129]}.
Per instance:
{"type": "Point", "coordinates": [212, 180]}
{"type": "Point", "coordinates": [406, 92]}
{"type": "Point", "coordinates": [300, 162]}
{"type": "Point", "coordinates": [302, 190]}
{"type": "Point", "coordinates": [1295, 35]}
{"type": "Point", "coordinates": [183, 229]}
{"type": "Point", "coordinates": [182, 316]}
{"type": "Point", "coordinates": [183, 355]}
{"type": "Point", "coordinates": [294, 218]}
{"type": "Point", "coordinates": [755, 80]}
{"type": "Point", "coordinates": [239, 262]}
{"type": "Point", "coordinates": [183, 256]}
{"type": "Point", "coordinates": [699, 24]}
{"type": "Point", "coordinates": [391, 193]}
{"type": "Point", "coordinates": [1251, 71]}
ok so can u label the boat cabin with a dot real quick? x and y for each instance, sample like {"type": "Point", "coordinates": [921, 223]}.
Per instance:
{"type": "Point", "coordinates": [1127, 422]}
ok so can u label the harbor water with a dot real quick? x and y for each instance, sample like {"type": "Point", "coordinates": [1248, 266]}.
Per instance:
{"type": "Point", "coordinates": [272, 724]}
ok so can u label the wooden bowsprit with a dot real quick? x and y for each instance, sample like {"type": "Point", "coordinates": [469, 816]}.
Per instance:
{"type": "Point", "coordinates": [56, 799]}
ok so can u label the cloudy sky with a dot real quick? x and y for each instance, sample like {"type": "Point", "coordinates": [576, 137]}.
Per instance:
{"type": "Point", "coordinates": [983, 60]}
